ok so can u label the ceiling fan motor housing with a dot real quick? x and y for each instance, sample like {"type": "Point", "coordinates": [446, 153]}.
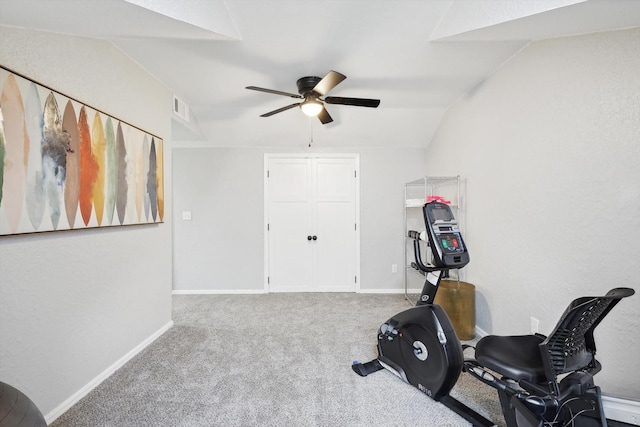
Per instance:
{"type": "Point", "coordinates": [306, 84]}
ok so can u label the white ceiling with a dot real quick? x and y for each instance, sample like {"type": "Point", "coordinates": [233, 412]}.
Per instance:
{"type": "Point", "coordinates": [417, 56]}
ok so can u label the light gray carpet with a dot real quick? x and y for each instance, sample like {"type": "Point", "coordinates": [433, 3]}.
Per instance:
{"type": "Point", "coordinates": [269, 360]}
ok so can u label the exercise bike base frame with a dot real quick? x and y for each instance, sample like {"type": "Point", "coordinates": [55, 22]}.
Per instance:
{"type": "Point", "coordinates": [465, 412]}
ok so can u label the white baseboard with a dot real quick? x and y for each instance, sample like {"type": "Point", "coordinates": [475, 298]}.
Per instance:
{"type": "Point", "coordinates": [262, 291]}
{"type": "Point", "coordinates": [218, 291]}
{"type": "Point", "coordinates": [62, 408]}
{"type": "Point", "coordinates": [389, 291]}
{"type": "Point", "coordinates": [623, 410]}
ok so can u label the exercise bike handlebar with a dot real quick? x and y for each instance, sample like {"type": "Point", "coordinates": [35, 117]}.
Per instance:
{"type": "Point", "coordinates": [421, 266]}
{"type": "Point", "coordinates": [418, 236]}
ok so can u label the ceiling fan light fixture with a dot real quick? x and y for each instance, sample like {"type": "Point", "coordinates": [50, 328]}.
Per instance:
{"type": "Point", "coordinates": [311, 107]}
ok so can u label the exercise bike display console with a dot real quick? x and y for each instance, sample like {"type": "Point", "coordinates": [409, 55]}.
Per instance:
{"type": "Point", "coordinates": [444, 236]}
{"type": "Point", "coordinates": [421, 347]}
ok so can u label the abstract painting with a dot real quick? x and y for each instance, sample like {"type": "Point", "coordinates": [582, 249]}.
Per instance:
{"type": "Point", "coordinates": [65, 165]}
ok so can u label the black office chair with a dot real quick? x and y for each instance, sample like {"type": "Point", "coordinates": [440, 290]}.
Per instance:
{"type": "Point", "coordinates": [530, 391]}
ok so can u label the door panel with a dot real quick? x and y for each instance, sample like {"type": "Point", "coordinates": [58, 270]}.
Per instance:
{"type": "Point", "coordinates": [290, 253]}
{"type": "Point", "coordinates": [335, 224]}
{"type": "Point", "coordinates": [335, 179]}
{"type": "Point", "coordinates": [289, 179]}
{"type": "Point", "coordinates": [335, 247]}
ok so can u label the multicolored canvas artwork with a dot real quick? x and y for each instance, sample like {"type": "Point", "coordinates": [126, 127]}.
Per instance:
{"type": "Point", "coordinates": [65, 165]}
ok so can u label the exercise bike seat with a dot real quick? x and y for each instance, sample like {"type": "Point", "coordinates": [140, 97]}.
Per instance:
{"type": "Point", "coordinates": [516, 357]}
{"type": "Point", "coordinates": [570, 347]}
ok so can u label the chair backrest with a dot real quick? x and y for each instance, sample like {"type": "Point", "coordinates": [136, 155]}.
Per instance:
{"type": "Point", "coordinates": [571, 346]}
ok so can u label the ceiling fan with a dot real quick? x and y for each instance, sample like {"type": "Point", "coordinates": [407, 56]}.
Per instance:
{"type": "Point", "coordinates": [310, 89]}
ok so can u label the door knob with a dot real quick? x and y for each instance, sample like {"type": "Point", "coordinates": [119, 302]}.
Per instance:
{"type": "Point", "coordinates": [315, 237]}
{"type": "Point", "coordinates": [309, 238]}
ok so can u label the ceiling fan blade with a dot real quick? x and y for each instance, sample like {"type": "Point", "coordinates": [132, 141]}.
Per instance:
{"type": "Point", "coordinates": [280, 110]}
{"type": "Point", "coordinates": [275, 92]}
{"type": "Point", "coordinates": [324, 116]}
{"type": "Point", "coordinates": [358, 102]}
{"type": "Point", "coordinates": [328, 82]}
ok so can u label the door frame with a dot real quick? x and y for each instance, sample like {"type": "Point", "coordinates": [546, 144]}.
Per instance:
{"type": "Point", "coordinates": [269, 156]}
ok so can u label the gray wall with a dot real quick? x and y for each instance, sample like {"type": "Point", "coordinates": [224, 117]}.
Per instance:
{"type": "Point", "coordinates": [222, 247]}
{"type": "Point", "coordinates": [549, 147]}
{"type": "Point", "coordinates": [74, 303]}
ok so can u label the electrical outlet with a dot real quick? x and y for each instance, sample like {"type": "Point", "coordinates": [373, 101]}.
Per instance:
{"type": "Point", "coordinates": [535, 324]}
{"type": "Point", "coordinates": [394, 268]}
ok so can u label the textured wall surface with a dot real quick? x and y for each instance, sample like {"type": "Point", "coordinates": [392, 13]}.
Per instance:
{"type": "Point", "coordinates": [550, 149]}
{"type": "Point", "coordinates": [73, 303]}
{"type": "Point", "coordinates": [223, 188]}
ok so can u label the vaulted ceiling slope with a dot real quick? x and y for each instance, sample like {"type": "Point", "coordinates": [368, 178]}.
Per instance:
{"type": "Point", "coordinates": [417, 56]}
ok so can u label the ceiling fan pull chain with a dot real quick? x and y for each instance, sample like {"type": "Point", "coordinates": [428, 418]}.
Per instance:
{"type": "Point", "coordinates": [310, 132]}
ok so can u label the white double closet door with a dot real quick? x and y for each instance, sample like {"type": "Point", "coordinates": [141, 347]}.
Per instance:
{"type": "Point", "coordinates": [311, 211]}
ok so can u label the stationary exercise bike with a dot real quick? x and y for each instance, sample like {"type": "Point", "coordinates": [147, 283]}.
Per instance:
{"type": "Point", "coordinates": [421, 347]}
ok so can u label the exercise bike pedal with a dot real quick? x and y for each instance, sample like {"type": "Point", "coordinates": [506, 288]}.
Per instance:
{"type": "Point", "coordinates": [364, 369]}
